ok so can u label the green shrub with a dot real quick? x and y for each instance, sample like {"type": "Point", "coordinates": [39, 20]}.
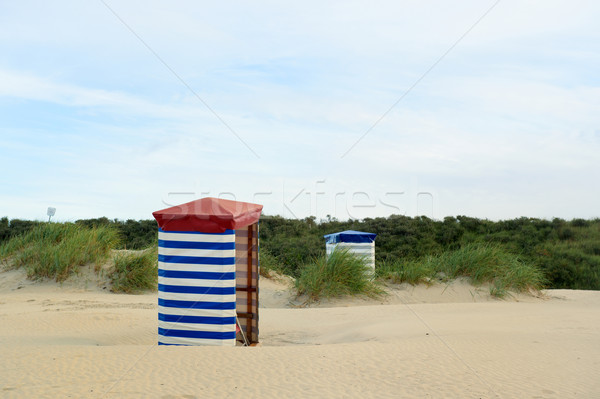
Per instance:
{"type": "Point", "coordinates": [341, 273]}
{"type": "Point", "coordinates": [570, 265]}
{"type": "Point", "coordinates": [135, 272]}
{"type": "Point", "coordinates": [56, 250]}
{"type": "Point", "coordinates": [580, 223]}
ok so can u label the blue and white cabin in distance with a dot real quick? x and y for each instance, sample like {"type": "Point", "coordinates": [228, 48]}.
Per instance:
{"type": "Point", "coordinates": [357, 242]}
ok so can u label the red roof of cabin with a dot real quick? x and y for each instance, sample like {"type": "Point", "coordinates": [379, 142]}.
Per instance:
{"type": "Point", "coordinates": [208, 215]}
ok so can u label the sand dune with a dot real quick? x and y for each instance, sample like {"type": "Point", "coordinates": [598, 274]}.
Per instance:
{"type": "Point", "coordinates": [78, 340]}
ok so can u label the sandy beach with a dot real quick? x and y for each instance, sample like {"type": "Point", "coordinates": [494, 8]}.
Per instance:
{"type": "Point", "coordinates": [78, 340]}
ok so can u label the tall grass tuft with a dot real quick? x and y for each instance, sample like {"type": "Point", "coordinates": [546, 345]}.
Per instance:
{"type": "Point", "coordinates": [490, 263]}
{"type": "Point", "coordinates": [135, 272]}
{"type": "Point", "coordinates": [340, 273]}
{"type": "Point", "coordinates": [481, 263]}
{"type": "Point", "coordinates": [412, 272]}
{"type": "Point", "coordinates": [56, 250]}
{"type": "Point", "coordinates": [269, 264]}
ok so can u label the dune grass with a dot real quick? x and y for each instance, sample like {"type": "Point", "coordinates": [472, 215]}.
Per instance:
{"type": "Point", "coordinates": [135, 272]}
{"type": "Point", "coordinates": [341, 273]}
{"type": "Point", "coordinates": [269, 264]}
{"type": "Point", "coordinates": [481, 263]}
{"type": "Point", "coordinates": [412, 272]}
{"type": "Point", "coordinates": [56, 250]}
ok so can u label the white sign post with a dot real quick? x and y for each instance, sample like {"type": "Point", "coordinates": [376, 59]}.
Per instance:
{"type": "Point", "coordinates": [51, 211]}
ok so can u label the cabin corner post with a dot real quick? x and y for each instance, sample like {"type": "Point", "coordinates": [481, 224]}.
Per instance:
{"type": "Point", "coordinates": [250, 292]}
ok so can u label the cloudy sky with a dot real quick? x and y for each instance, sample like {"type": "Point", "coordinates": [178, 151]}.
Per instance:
{"type": "Point", "coordinates": [344, 108]}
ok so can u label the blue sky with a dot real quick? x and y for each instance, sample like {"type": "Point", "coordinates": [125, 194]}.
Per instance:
{"type": "Point", "coordinates": [505, 125]}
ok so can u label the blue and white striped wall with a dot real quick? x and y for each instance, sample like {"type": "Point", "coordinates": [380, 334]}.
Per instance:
{"type": "Point", "coordinates": [196, 288]}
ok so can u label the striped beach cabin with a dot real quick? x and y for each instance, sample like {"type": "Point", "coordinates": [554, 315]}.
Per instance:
{"type": "Point", "coordinates": [208, 273]}
{"type": "Point", "coordinates": [357, 242]}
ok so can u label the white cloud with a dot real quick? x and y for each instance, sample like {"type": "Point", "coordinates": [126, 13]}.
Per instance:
{"type": "Point", "coordinates": [30, 87]}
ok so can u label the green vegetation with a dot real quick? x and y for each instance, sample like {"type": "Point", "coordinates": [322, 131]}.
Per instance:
{"type": "Point", "coordinates": [567, 252]}
{"type": "Point", "coordinates": [133, 234]}
{"type": "Point", "coordinates": [411, 271]}
{"type": "Point", "coordinates": [269, 264]}
{"type": "Point", "coordinates": [407, 249]}
{"type": "Point", "coordinates": [15, 227]}
{"type": "Point", "coordinates": [55, 250]}
{"type": "Point", "coordinates": [338, 274]}
{"type": "Point", "coordinates": [135, 272]}
{"type": "Point", "coordinates": [481, 263]}
{"type": "Point", "coordinates": [573, 262]}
